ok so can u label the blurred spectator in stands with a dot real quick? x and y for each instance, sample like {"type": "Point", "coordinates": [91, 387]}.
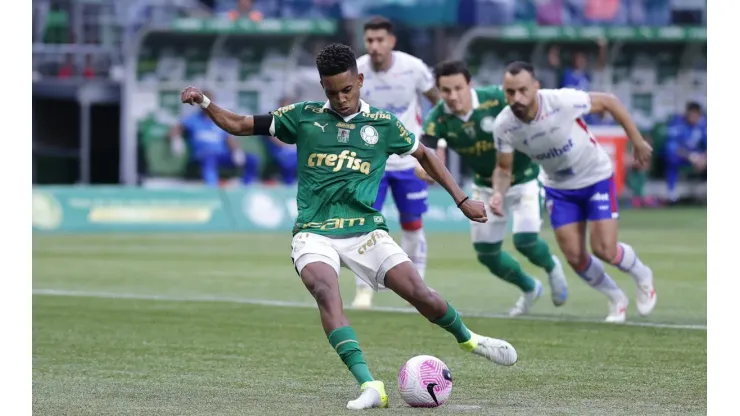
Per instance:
{"type": "Point", "coordinates": [656, 12]}
{"type": "Point", "coordinates": [88, 71]}
{"type": "Point", "coordinates": [578, 76]}
{"type": "Point", "coordinates": [245, 9]}
{"type": "Point", "coordinates": [494, 12]}
{"type": "Point", "coordinates": [688, 12]}
{"type": "Point", "coordinates": [605, 12]}
{"type": "Point", "coordinates": [212, 148]}
{"type": "Point", "coordinates": [686, 146]}
{"type": "Point", "coordinates": [310, 9]}
{"type": "Point", "coordinates": [68, 68]}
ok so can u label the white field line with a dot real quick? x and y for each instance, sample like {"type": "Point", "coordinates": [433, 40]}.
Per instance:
{"type": "Point", "coordinates": [289, 304]}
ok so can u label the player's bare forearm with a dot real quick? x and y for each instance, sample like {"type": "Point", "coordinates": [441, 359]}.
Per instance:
{"type": "Point", "coordinates": [601, 102]}
{"type": "Point", "coordinates": [502, 175]}
{"type": "Point", "coordinates": [437, 170]}
{"type": "Point", "coordinates": [501, 179]}
{"type": "Point", "coordinates": [441, 155]}
{"type": "Point", "coordinates": [232, 123]}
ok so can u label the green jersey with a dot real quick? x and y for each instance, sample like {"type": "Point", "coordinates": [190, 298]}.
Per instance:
{"type": "Point", "coordinates": [341, 161]}
{"type": "Point", "coordinates": [472, 137]}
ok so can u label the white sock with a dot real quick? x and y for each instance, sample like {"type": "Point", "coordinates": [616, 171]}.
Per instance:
{"type": "Point", "coordinates": [628, 262]}
{"type": "Point", "coordinates": [414, 243]}
{"type": "Point", "coordinates": [597, 278]}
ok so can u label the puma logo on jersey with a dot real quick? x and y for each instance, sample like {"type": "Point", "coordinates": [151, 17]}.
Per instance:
{"type": "Point", "coordinates": [316, 123]}
{"type": "Point", "coordinates": [346, 159]}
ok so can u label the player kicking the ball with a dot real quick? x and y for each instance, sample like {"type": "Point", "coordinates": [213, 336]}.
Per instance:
{"type": "Point", "coordinates": [547, 126]}
{"type": "Point", "coordinates": [342, 147]}
{"type": "Point", "coordinates": [394, 82]}
{"type": "Point", "coordinates": [464, 120]}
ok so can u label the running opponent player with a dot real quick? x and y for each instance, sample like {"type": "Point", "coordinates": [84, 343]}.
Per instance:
{"type": "Point", "coordinates": [464, 120]}
{"type": "Point", "coordinates": [342, 148]}
{"type": "Point", "coordinates": [394, 82]}
{"type": "Point", "coordinates": [547, 125]}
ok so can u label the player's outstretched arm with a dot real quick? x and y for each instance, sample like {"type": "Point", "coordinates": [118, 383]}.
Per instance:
{"type": "Point", "coordinates": [475, 210]}
{"type": "Point", "coordinates": [601, 102]}
{"type": "Point", "coordinates": [232, 123]}
{"type": "Point", "coordinates": [501, 181]}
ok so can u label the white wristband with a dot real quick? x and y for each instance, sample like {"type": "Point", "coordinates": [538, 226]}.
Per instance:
{"type": "Point", "coordinates": [206, 102]}
{"type": "Point", "coordinates": [442, 143]}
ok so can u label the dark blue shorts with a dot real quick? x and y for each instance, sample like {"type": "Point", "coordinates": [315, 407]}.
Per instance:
{"type": "Point", "coordinates": [592, 203]}
{"type": "Point", "coordinates": [409, 192]}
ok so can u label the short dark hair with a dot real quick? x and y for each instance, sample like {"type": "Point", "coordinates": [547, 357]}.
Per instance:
{"type": "Point", "coordinates": [516, 67]}
{"type": "Point", "coordinates": [451, 67]}
{"type": "Point", "coordinates": [378, 23]}
{"type": "Point", "coordinates": [334, 59]}
{"type": "Point", "coordinates": [693, 106]}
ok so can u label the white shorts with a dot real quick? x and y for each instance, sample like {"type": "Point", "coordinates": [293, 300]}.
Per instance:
{"type": "Point", "coordinates": [522, 205]}
{"type": "Point", "coordinates": [369, 256]}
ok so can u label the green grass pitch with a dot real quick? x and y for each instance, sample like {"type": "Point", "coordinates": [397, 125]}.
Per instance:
{"type": "Point", "coordinates": [220, 325]}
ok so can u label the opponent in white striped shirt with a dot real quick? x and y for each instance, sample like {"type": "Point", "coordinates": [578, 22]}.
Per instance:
{"type": "Point", "coordinates": [547, 125]}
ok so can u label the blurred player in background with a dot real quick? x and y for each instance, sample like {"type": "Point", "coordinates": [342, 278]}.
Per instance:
{"type": "Point", "coordinates": [547, 125]}
{"type": "Point", "coordinates": [212, 148]}
{"type": "Point", "coordinates": [464, 121]}
{"type": "Point", "coordinates": [395, 81]}
{"type": "Point", "coordinates": [686, 146]}
{"type": "Point", "coordinates": [343, 145]}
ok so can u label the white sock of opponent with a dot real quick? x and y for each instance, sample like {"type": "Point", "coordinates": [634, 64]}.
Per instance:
{"type": "Point", "coordinates": [628, 262]}
{"type": "Point", "coordinates": [414, 243]}
{"type": "Point", "coordinates": [594, 274]}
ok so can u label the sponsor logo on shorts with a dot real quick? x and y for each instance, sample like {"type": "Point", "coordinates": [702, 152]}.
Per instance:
{"type": "Point", "coordinates": [372, 241]}
{"type": "Point", "coordinates": [601, 196]}
{"type": "Point", "coordinates": [417, 195]}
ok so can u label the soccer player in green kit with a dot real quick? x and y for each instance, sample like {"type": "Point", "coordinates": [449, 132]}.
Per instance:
{"type": "Point", "coordinates": [342, 147]}
{"type": "Point", "coordinates": [463, 120]}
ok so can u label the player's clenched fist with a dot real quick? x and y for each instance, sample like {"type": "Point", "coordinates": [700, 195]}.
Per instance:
{"type": "Point", "coordinates": [475, 210]}
{"type": "Point", "coordinates": [191, 95]}
{"type": "Point", "coordinates": [497, 204]}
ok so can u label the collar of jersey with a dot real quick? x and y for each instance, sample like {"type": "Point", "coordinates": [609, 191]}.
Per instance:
{"type": "Point", "coordinates": [473, 99]}
{"type": "Point", "coordinates": [364, 108]}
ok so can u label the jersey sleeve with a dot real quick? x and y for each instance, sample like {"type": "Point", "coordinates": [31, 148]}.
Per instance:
{"type": "Point", "coordinates": [432, 128]}
{"type": "Point", "coordinates": [575, 102]}
{"type": "Point", "coordinates": [424, 78]}
{"type": "Point", "coordinates": [402, 142]}
{"type": "Point", "coordinates": [502, 137]}
{"type": "Point", "coordinates": [285, 121]}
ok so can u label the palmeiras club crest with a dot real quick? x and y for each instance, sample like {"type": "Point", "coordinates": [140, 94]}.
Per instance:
{"type": "Point", "coordinates": [369, 135]}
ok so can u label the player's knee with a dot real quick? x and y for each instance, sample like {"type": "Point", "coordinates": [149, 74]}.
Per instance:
{"type": "Point", "coordinates": [604, 250]}
{"type": "Point", "coordinates": [319, 283]}
{"type": "Point", "coordinates": [576, 258]}
{"type": "Point", "coordinates": [523, 242]}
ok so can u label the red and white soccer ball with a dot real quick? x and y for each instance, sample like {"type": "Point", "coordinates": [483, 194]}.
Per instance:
{"type": "Point", "coordinates": [425, 381]}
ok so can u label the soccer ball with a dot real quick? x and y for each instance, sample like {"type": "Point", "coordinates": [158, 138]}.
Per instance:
{"type": "Point", "coordinates": [425, 381]}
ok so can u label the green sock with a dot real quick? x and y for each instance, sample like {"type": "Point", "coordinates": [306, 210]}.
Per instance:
{"type": "Point", "coordinates": [502, 265]}
{"type": "Point", "coordinates": [535, 249]}
{"type": "Point", "coordinates": [344, 342]}
{"type": "Point", "coordinates": [452, 323]}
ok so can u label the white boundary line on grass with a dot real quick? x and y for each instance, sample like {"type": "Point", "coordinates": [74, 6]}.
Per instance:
{"type": "Point", "coordinates": [289, 304]}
